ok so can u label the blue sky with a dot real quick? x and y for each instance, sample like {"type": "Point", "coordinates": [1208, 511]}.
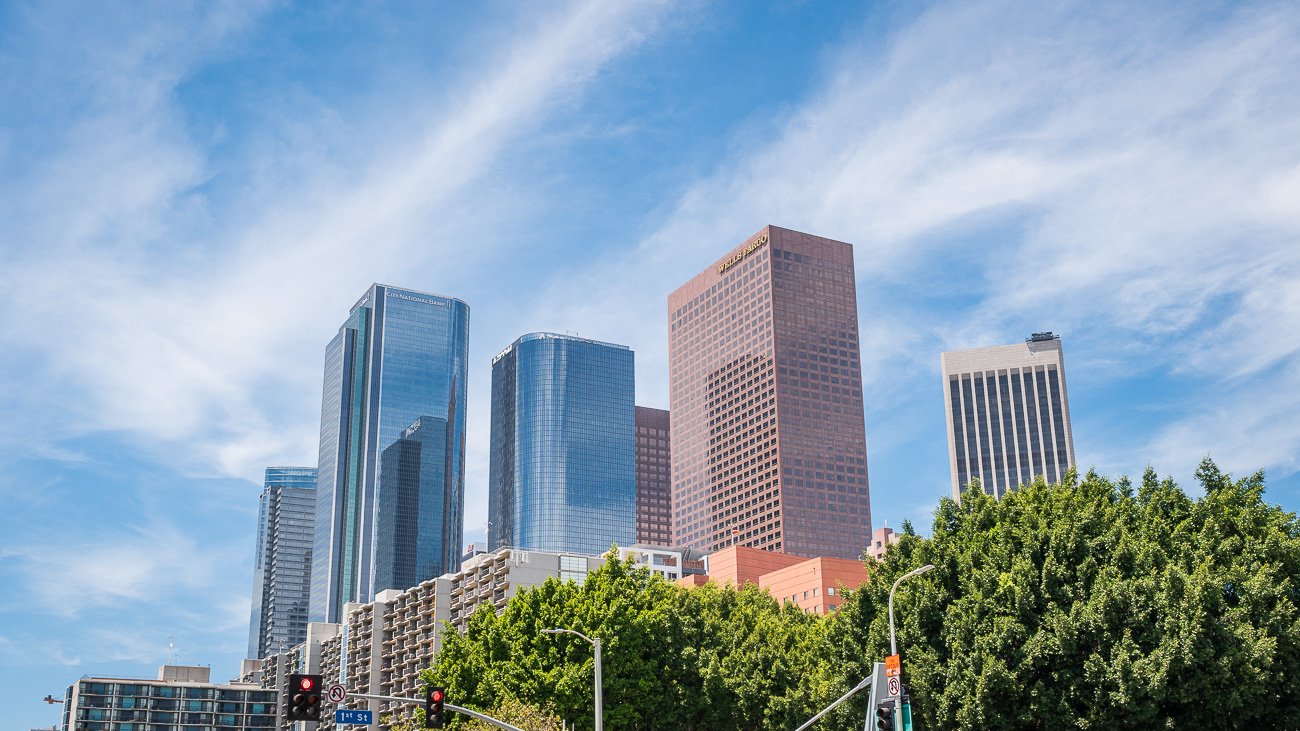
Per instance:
{"type": "Point", "coordinates": [192, 195]}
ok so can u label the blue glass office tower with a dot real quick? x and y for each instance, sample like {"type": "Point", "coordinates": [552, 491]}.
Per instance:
{"type": "Point", "coordinates": [390, 497]}
{"type": "Point", "coordinates": [563, 452]}
{"type": "Point", "coordinates": [282, 561]}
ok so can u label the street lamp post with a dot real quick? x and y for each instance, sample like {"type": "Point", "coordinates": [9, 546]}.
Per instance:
{"type": "Point", "coordinates": [893, 646]}
{"type": "Point", "coordinates": [595, 643]}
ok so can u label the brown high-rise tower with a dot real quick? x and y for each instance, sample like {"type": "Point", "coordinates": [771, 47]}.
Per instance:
{"type": "Point", "coordinates": [769, 447]}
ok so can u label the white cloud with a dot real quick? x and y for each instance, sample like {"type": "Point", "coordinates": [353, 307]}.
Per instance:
{"type": "Point", "coordinates": [151, 563]}
{"type": "Point", "coordinates": [149, 314]}
{"type": "Point", "coordinates": [1101, 168]}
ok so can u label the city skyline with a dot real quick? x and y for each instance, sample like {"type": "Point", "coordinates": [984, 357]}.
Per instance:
{"type": "Point", "coordinates": [193, 194]}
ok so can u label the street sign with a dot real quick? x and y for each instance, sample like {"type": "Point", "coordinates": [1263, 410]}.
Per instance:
{"type": "Point", "coordinates": [892, 667]}
{"type": "Point", "coordinates": [894, 686]}
{"type": "Point", "coordinates": [336, 693]}
{"type": "Point", "coordinates": [358, 718]}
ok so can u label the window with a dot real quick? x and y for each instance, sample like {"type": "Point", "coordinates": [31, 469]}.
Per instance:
{"type": "Point", "coordinates": [573, 568]}
{"type": "Point", "coordinates": [830, 591]}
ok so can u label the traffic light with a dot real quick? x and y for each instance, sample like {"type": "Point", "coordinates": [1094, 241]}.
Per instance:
{"type": "Point", "coordinates": [303, 698]}
{"type": "Point", "coordinates": [433, 710]}
{"type": "Point", "coordinates": [885, 716]}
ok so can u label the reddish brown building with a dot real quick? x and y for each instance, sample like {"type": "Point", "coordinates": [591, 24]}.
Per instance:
{"type": "Point", "coordinates": [654, 516]}
{"type": "Point", "coordinates": [816, 585]}
{"type": "Point", "coordinates": [740, 565]}
{"type": "Point", "coordinates": [765, 378]}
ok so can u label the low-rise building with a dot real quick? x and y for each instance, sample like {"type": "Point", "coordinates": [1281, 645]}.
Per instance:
{"type": "Point", "coordinates": [814, 584]}
{"type": "Point", "coordinates": [670, 563]}
{"type": "Point", "coordinates": [881, 539]}
{"type": "Point", "coordinates": [181, 697]}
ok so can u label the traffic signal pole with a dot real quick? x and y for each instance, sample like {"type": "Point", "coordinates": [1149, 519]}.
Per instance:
{"type": "Point", "coordinates": [867, 681]}
{"type": "Point", "coordinates": [473, 714]}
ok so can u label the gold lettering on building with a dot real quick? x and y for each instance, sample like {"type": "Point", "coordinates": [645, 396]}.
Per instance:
{"type": "Point", "coordinates": [739, 256]}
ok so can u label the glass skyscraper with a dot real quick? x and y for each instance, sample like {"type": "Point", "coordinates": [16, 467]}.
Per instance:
{"type": "Point", "coordinates": [390, 495]}
{"type": "Point", "coordinates": [563, 451]}
{"type": "Point", "coordinates": [1008, 414]}
{"type": "Point", "coordinates": [282, 561]}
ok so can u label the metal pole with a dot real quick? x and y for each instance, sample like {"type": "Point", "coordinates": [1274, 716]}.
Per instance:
{"type": "Point", "coordinates": [893, 645]}
{"type": "Point", "coordinates": [595, 643]}
{"type": "Point", "coordinates": [457, 709]}
{"type": "Point", "coordinates": [832, 706]}
{"type": "Point", "coordinates": [600, 696]}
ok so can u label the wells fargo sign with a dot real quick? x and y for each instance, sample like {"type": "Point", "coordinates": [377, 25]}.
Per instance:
{"type": "Point", "coordinates": [739, 256]}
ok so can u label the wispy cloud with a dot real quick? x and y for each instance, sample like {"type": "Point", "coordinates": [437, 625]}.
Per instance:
{"type": "Point", "coordinates": [151, 563]}
{"type": "Point", "coordinates": [1125, 174]}
{"type": "Point", "coordinates": [198, 326]}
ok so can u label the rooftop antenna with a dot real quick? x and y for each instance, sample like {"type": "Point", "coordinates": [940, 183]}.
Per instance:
{"type": "Point", "coordinates": [171, 649]}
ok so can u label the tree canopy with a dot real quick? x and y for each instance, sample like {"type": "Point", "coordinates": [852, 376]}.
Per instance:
{"type": "Point", "coordinates": [1087, 605]}
{"type": "Point", "coordinates": [674, 658]}
{"type": "Point", "coordinates": [1081, 605]}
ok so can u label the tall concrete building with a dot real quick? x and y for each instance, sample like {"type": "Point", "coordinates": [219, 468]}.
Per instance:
{"type": "Point", "coordinates": [562, 467]}
{"type": "Point", "coordinates": [765, 378]}
{"type": "Point", "coordinates": [282, 560]}
{"type": "Point", "coordinates": [654, 514]}
{"type": "Point", "coordinates": [1008, 414]}
{"type": "Point", "coordinates": [390, 498]}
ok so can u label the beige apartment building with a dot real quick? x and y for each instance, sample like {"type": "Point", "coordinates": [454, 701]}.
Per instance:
{"type": "Point", "coordinates": [382, 646]}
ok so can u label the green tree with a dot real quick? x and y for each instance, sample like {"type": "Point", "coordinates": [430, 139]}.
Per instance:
{"type": "Point", "coordinates": [1083, 605]}
{"type": "Point", "coordinates": [521, 715]}
{"type": "Point", "coordinates": [674, 658]}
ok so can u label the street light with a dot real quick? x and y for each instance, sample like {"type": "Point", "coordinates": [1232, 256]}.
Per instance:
{"type": "Point", "coordinates": [893, 646]}
{"type": "Point", "coordinates": [595, 642]}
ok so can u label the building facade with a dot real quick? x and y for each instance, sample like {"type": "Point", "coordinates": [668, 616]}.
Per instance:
{"type": "Point", "coordinates": [394, 389]}
{"type": "Point", "coordinates": [180, 698]}
{"type": "Point", "coordinates": [765, 377]}
{"type": "Point", "coordinates": [562, 467]}
{"type": "Point", "coordinates": [282, 560]}
{"type": "Point", "coordinates": [881, 539]}
{"type": "Point", "coordinates": [1008, 414]}
{"type": "Point", "coordinates": [815, 585]}
{"type": "Point", "coordinates": [380, 647]}
{"type": "Point", "coordinates": [654, 513]}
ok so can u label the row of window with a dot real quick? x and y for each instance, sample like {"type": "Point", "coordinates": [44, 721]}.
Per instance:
{"type": "Point", "coordinates": [174, 691]}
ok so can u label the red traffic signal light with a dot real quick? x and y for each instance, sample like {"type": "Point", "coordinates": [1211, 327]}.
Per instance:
{"type": "Point", "coordinates": [433, 707]}
{"type": "Point", "coordinates": [302, 698]}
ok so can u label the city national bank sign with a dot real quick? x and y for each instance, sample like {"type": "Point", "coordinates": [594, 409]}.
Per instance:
{"type": "Point", "coordinates": [739, 256]}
